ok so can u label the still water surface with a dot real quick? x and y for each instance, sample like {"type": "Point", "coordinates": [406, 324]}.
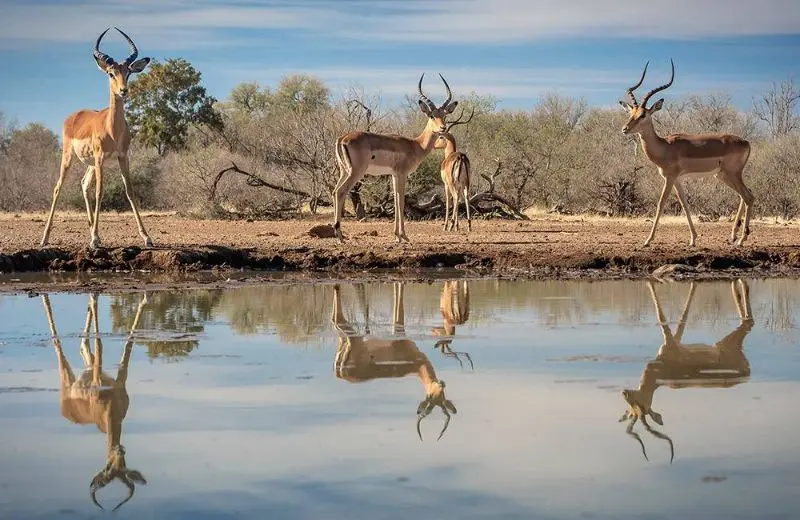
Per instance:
{"type": "Point", "coordinates": [303, 401]}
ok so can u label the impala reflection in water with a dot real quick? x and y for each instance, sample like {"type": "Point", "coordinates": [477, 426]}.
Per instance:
{"type": "Point", "coordinates": [322, 400]}
{"type": "Point", "coordinates": [97, 398]}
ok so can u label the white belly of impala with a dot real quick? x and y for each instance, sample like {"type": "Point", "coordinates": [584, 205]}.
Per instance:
{"type": "Point", "coordinates": [379, 170]}
{"type": "Point", "coordinates": [85, 152]}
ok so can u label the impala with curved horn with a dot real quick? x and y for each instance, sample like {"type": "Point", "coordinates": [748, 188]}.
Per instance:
{"type": "Point", "coordinates": [686, 155]}
{"type": "Point", "coordinates": [455, 171]}
{"type": "Point", "coordinates": [695, 365]}
{"type": "Point", "coordinates": [95, 136]}
{"type": "Point", "coordinates": [454, 307]}
{"type": "Point", "coordinates": [360, 358]}
{"type": "Point", "coordinates": [97, 398]}
{"type": "Point", "coordinates": [365, 153]}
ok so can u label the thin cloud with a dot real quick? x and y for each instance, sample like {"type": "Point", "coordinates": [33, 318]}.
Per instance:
{"type": "Point", "coordinates": [181, 23]}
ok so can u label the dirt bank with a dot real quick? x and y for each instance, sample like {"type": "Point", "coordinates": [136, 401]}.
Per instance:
{"type": "Point", "coordinates": [553, 247]}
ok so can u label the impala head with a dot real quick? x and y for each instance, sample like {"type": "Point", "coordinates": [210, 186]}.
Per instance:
{"type": "Point", "coordinates": [437, 116]}
{"type": "Point", "coordinates": [435, 397]}
{"type": "Point", "coordinates": [639, 113]}
{"type": "Point", "coordinates": [441, 141]}
{"type": "Point", "coordinates": [639, 409]}
{"type": "Point", "coordinates": [118, 73]}
{"type": "Point", "coordinates": [116, 469]}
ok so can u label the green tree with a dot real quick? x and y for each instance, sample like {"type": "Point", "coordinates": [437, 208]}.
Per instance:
{"type": "Point", "coordinates": [166, 101]}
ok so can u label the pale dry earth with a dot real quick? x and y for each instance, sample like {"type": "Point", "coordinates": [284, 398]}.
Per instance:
{"type": "Point", "coordinates": [547, 246]}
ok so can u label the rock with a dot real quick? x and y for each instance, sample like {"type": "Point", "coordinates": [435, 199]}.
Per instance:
{"type": "Point", "coordinates": [322, 231]}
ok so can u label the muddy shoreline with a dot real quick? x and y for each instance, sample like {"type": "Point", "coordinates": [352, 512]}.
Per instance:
{"type": "Point", "coordinates": [256, 252]}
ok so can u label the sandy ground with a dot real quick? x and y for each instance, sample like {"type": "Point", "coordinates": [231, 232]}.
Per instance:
{"type": "Point", "coordinates": [545, 246]}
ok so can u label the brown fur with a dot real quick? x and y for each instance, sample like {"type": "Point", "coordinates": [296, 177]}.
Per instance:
{"type": "Point", "coordinates": [365, 153]}
{"type": "Point", "coordinates": [680, 155]}
{"type": "Point", "coordinates": [360, 358]}
{"type": "Point", "coordinates": [97, 398]}
{"type": "Point", "coordinates": [96, 135]}
{"type": "Point", "coordinates": [455, 172]}
{"type": "Point", "coordinates": [681, 365]}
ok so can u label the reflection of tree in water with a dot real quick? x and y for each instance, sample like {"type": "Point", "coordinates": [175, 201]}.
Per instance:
{"type": "Point", "coordinates": [298, 313]}
{"type": "Point", "coordinates": [179, 315]}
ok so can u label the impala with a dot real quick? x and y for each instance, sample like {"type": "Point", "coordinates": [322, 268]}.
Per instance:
{"type": "Point", "coordinates": [95, 136]}
{"type": "Point", "coordinates": [689, 155]}
{"type": "Point", "coordinates": [97, 398]}
{"type": "Point", "coordinates": [682, 365]}
{"type": "Point", "coordinates": [360, 358]}
{"type": "Point", "coordinates": [455, 171]}
{"type": "Point", "coordinates": [365, 153]}
{"type": "Point", "coordinates": [454, 307]}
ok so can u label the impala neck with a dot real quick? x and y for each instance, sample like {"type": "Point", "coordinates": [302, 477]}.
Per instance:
{"type": "Point", "coordinates": [647, 386]}
{"type": "Point", "coordinates": [116, 114]}
{"type": "Point", "coordinates": [653, 145]}
{"type": "Point", "coordinates": [450, 145]}
{"type": "Point", "coordinates": [428, 376]}
{"type": "Point", "coordinates": [426, 140]}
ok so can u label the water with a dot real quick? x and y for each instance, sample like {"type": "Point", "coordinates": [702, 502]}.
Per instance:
{"type": "Point", "coordinates": [271, 402]}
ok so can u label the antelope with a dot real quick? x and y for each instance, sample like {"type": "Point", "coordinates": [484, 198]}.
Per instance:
{"type": "Point", "coordinates": [455, 171]}
{"type": "Point", "coordinates": [682, 365]}
{"type": "Point", "coordinates": [360, 358]}
{"type": "Point", "coordinates": [454, 307]}
{"type": "Point", "coordinates": [95, 136]}
{"type": "Point", "coordinates": [97, 398]}
{"type": "Point", "coordinates": [689, 155]}
{"type": "Point", "coordinates": [365, 153]}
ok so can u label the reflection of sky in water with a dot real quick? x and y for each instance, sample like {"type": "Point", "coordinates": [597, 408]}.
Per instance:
{"type": "Point", "coordinates": [250, 426]}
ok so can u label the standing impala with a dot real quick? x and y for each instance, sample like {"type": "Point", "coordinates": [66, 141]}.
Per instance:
{"type": "Point", "coordinates": [97, 398]}
{"type": "Point", "coordinates": [455, 171]}
{"type": "Point", "coordinates": [360, 358]}
{"type": "Point", "coordinates": [364, 153]}
{"type": "Point", "coordinates": [689, 365]}
{"type": "Point", "coordinates": [95, 136]}
{"type": "Point", "coordinates": [688, 155]}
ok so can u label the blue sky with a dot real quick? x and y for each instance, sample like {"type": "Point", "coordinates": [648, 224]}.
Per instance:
{"type": "Point", "coordinates": [515, 50]}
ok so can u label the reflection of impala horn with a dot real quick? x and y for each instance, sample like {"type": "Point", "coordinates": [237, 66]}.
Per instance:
{"type": "Point", "coordinates": [427, 406]}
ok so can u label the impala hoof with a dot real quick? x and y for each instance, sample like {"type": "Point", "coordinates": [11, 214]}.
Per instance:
{"type": "Point", "coordinates": [95, 243]}
{"type": "Point", "coordinates": [148, 242]}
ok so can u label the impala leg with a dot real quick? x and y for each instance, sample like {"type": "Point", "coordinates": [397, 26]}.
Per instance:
{"type": "Point", "coordinates": [682, 199]}
{"type": "Point", "coordinates": [86, 183]}
{"type": "Point", "coordinates": [737, 221]}
{"type": "Point", "coordinates": [66, 160]}
{"type": "Point", "coordinates": [455, 208]}
{"type": "Point", "coordinates": [98, 195]}
{"type": "Point", "coordinates": [343, 187]}
{"type": "Point", "coordinates": [466, 203]}
{"type": "Point", "coordinates": [64, 370]}
{"type": "Point", "coordinates": [399, 182]}
{"type": "Point", "coordinates": [668, 183]}
{"type": "Point", "coordinates": [446, 207]}
{"type": "Point", "coordinates": [124, 168]}
{"type": "Point", "coordinates": [747, 199]}
{"type": "Point", "coordinates": [399, 313]}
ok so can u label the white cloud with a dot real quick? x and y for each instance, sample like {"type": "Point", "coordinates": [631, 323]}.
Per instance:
{"type": "Point", "coordinates": [181, 23]}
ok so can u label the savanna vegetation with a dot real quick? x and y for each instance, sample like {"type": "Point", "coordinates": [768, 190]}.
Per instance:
{"type": "Point", "coordinates": [266, 151]}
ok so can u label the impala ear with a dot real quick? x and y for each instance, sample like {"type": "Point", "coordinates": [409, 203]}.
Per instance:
{"type": "Point", "coordinates": [657, 106]}
{"type": "Point", "coordinates": [450, 406]}
{"type": "Point", "coordinates": [625, 105]}
{"type": "Point", "coordinates": [138, 65]}
{"type": "Point", "coordinates": [424, 107]}
{"type": "Point", "coordinates": [452, 106]}
{"type": "Point", "coordinates": [657, 417]}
